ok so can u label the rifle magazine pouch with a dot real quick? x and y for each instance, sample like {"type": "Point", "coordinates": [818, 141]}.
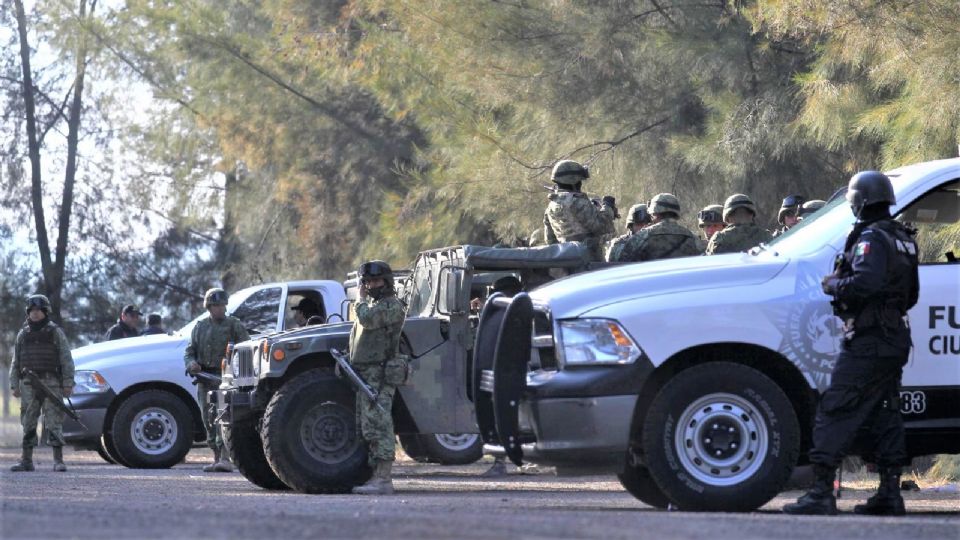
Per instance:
{"type": "Point", "coordinates": [397, 370]}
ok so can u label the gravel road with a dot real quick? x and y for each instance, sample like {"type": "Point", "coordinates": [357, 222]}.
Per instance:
{"type": "Point", "coordinates": [97, 500]}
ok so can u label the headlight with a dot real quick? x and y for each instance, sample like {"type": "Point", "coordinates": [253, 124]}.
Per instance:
{"type": "Point", "coordinates": [89, 382]}
{"type": "Point", "coordinates": [595, 341]}
{"type": "Point", "coordinates": [235, 364]}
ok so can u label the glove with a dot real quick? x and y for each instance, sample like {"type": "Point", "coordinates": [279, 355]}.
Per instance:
{"type": "Point", "coordinates": [829, 284]}
{"type": "Point", "coordinates": [193, 368]}
{"type": "Point", "coordinates": [611, 201]}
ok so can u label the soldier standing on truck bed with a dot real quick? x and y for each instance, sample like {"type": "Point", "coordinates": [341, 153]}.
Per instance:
{"type": "Point", "coordinates": [374, 347]}
{"type": "Point", "coordinates": [873, 286]}
{"type": "Point", "coordinates": [571, 216]}
{"type": "Point", "coordinates": [42, 348]}
{"type": "Point", "coordinates": [208, 342]}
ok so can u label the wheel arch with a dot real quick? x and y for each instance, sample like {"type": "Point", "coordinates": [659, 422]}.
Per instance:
{"type": "Point", "coordinates": [199, 432]}
{"type": "Point", "coordinates": [771, 363]}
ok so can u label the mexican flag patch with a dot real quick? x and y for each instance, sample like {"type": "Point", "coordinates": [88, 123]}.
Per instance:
{"type": "Point", "coordinates": [863, 248]}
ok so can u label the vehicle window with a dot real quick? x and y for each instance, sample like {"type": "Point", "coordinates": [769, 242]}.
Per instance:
{"type": "Point", "coordinates": [259, 311]}
{"type": "Point", "coordinates": [313, 306]}
{"type": "Point", "coordinates": [810, 233]}
{"type": "Point", "coordinates": [936, 217]}
{"type": "Point", "coordinates": [422, 292]}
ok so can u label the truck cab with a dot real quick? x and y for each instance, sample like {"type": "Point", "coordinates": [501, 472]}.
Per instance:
{"type": "Point", "coordinates": [695, 380]}
{"type": "Point", "coordinates": [136, 404]}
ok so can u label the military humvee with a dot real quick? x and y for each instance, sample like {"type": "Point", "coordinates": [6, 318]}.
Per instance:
{"type": "Point", "coordinates": [289, 421]}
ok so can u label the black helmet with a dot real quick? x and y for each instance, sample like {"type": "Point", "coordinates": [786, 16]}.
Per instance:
{"type": "Point", "coordinates": [376, 269]}
{"type": "Point", "coordinates": [791, 205]}
{"type": "Point", "coordinates": [869, 187]}
{"type": "Point", "coordinates": [38, 301]}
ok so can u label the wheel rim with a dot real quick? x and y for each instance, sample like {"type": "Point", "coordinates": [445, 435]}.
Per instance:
{"type": "Point", "coordinates": [328, 433]}
{"type": "Point", "coordinates": [721, 439]}
{"type": "Point", "coordinates": [154, 431]}
{"type": "Point", "coordinates": [456, 442]}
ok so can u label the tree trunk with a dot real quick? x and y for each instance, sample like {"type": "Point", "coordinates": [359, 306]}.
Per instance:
{"type": "Point", "coordinates": [36, 181]}
{"type": "Point", "coordinates": [73, 134]}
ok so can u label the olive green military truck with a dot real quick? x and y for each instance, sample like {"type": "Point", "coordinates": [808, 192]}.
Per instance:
{"type": "Point", "coordinates": [289, 421]}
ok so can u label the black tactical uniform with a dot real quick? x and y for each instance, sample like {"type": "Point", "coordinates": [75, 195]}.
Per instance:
{"type": "Point", "coordinates": [874, 286]}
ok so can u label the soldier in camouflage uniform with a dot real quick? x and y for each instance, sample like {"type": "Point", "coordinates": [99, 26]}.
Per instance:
{"type": "Point", "coordinates": [41, 347]}
{"type": "Point", "coordinates": [571, 216]}
{"type": "Point", "coordinates": [789, 213]}
{"type": "Point", "coordinates": [374, 342]}
{"type": "Point", "coordinates": [710, 221]}
{"type": "Point", "coordinates": [665, 239]}
{"type": "Point", "coordinates": [208, 344]}
{"type": "Point", "coordinates": [741, 233]}
{"type": "Point", "coordinates": [637, 218]}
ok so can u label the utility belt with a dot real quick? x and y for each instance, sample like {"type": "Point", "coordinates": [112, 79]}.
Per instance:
{"type": "Point", "coordinates": [884, 318]}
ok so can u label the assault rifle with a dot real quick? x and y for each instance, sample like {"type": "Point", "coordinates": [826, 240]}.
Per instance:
{"type": "Point", "coordinates": [343, 363]}
{"type": "Point", "coordinates": [51, 396]}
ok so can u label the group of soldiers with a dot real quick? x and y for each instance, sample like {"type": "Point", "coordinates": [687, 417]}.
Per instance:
{"type": "Point", "coordinates": [873, 287]}
{"type": "Point", "coordinates": [653, 230]}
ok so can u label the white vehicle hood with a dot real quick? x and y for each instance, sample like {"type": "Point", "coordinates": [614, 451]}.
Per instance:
{"type": "Point", "coordinates": [101, 356]}
{"type": "Point", "coordinates": [578, 294]}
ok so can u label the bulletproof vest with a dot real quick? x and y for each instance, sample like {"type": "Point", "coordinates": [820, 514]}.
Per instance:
{"type": "Point", "coordinates": [616, 248]}
{"type": "Point", "coordinates": [901, 288]}
{"type": "Point", "coordinates": [39, 351]}
{"type": "Point", "coordinates": [562, 220]}
{"type": "Point", "coordinates": [668, 239]}
{"type": "Point", "coordinates": [372, 346]}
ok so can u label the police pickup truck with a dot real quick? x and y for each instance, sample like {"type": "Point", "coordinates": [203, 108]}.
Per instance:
{"type": "Point", "coordinates": [695, 380]}
{"type": "Point", "coordinates": [137, 406]}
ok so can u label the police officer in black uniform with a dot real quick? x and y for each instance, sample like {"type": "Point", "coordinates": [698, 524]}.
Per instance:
{"type": "Point", "coordinates": [874, 285]}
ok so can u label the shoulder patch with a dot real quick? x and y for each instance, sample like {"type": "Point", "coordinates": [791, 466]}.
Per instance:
{"type": "Point", "coordinates": [863, 248]}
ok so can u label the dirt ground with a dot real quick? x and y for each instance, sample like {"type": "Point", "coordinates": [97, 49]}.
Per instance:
{"type": "Point", "coordinates": [96, 500]}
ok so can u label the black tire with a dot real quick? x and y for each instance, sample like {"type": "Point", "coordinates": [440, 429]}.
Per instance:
{"type": "Point", "coordinates": [310, 435]}
{"type": "Point", "coordinates": [638, 482]}
{"type": "Point", "coordinates": [152, 429]}
{"type": "Point", "coordinates": [104, 453]}
{"type": "Point", "coordinates": [443, 448]}
{"type": "Point", "coordinates": [721, 437]}
{"type": "Point", "coordinates": [242, 440]}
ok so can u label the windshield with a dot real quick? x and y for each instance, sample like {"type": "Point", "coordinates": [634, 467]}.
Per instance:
{"type": "Point", "coordinates": [421, 288]}
{"type": "Point", "coordinates": [820, 227]}
{"type": "Point", "coordinates": [235, 300]}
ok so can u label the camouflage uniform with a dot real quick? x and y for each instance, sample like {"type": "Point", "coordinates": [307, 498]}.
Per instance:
{"type": "Point", "coordinates": [42, 348]}
{"type": "Point", "coordinates": [374, 340]}
{"type": "Point", "coordinates": [665, 239]}
{"type": "Point", "coordinates": [737, 237]}
{"type": "Point", "coordinates": [208, 343]}
{"type": "Point", "coordinates": [615, 247]}
{"type": "Point", "coordinates": [572, 217]}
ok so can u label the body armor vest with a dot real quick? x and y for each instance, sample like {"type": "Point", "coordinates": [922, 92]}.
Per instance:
{"type": "Point", "coordinates": [562, 220]}
{"type": "Point", "coordinates": [39, 351]}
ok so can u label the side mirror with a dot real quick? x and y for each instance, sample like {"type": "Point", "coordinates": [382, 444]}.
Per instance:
{"type": "Point", "coordinates": [450, 301]}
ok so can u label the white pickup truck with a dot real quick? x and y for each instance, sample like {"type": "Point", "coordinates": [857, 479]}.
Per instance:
{"type": "Point", "coordinates": [696, 379]}
{"type": "Point", "coordinates": [137, 406]}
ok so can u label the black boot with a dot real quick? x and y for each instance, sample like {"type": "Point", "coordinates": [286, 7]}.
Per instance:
{"type": "Point", "coordinates": [887, 501]}
{"type": "Point", "coordinates": [26, 460]}
{"type": "Point", "coordinates": [819, 501]}
{"type": "Point", "coordinates": [58, 465]}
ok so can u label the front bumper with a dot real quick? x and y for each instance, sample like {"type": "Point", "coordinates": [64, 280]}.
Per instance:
{"type": "Point", "coordinates": [92, 410]}
{"type": "Point", "coordinates": [577, 419]}
{"type": "Point", "coordinates": [234, 404]}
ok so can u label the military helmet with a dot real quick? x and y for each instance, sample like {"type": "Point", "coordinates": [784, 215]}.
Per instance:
{"type": "Point", "coordinates": [569, 172]}
{"type": "Point", "coordinates": [663, 203]}
{"type": "Point", "coordinates": [710, 214]}
{"type": "Point", "coordinates": [790, 204]}
{"type": "Point", "coordinates": [215, 297]}
{"type": "Point", "coordinates": [375, 269]}
{"type": "Point", "coordinates": [869, 187]}
{"type": "Point", "coordinates": [638, 214]}
{"type": "Point", "coordinates": [38, 301]}
{"type": "Point", "coordinates": [810, 207]}
{"type": "Point", "coordinates": [735, 201]}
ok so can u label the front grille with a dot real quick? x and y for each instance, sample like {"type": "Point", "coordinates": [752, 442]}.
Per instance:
{"type": "Point", "coordinates": [244, 362]}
